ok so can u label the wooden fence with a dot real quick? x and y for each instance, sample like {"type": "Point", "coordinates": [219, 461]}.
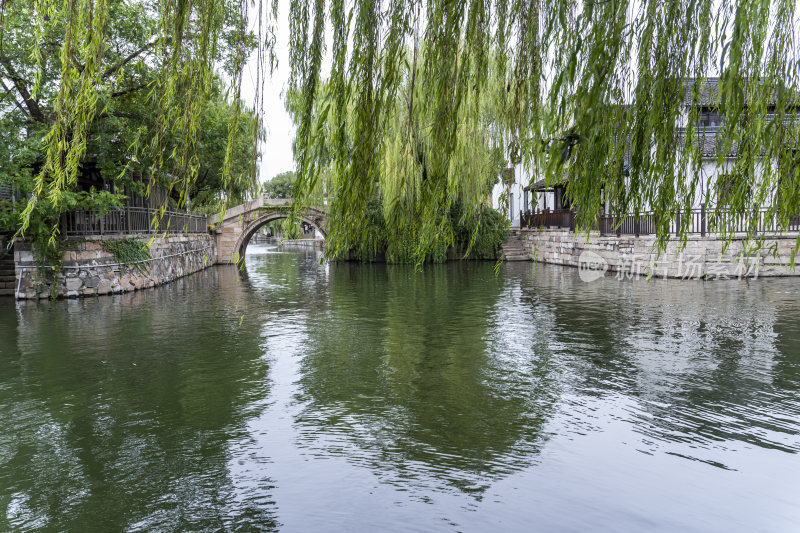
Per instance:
{"type": "Point", "coordinates": [130, 220]}
{"type": "Point", "coordinates": [697, 221]}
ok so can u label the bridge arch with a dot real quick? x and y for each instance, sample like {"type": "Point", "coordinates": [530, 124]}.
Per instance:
{"type": "Point", "coordinates": [252, 227]}
{"type": "Point", "coordinates": [237, 225]}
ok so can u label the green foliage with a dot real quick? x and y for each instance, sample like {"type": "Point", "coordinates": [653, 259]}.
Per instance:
{"type": "Point", "coordinates": [480, 235]}
{"type": "Point", "coordinates": [274, 228]}
{"type": "Point", "coordinates": [475, 235]}
{"type": "Point", "coordinates": [418, 97]}
{"type": "Point", "coordinates": [129, 251]}
{"type": "Point", "coordinates": [594, 91]}
{"type": "Point", "coordinates": [128, 87]}
{"type": "Point", "coordinates": [417, 187]}
{"type": "Point", "coordinates": [280, 186]}
{"type": "Point", "coordinates": [373, 238]}
{"type": "Point", "coordinates": [208, 192]}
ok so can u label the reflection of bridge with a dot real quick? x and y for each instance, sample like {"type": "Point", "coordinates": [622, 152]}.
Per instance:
{"type": "Point", "coordinates": [240, 223]}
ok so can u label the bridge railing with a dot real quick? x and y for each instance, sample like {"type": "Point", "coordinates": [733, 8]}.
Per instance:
{"type": "Point", "coordinates": [130, 220]}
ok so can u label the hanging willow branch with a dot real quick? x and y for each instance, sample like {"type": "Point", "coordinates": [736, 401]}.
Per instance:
{"type": "Point", "coordinates": [188, 52]}
{"type": "Point", "coordinates": [604, 96]}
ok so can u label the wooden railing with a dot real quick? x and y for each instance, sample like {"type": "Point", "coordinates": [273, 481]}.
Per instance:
{"type": "Point", "coordinates": [130, 220]}
{"type": "Point", "coordinates": [699, 221]}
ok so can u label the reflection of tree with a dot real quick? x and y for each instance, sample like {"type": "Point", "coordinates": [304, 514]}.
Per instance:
{"type": "Point", "coordinates": [787, 339]}
{"type": "Point", "coordinates": [127, 411]}
{"type": "Point", "coordinates": [700, 360]}
{"type": "Point", "coordinates": [286, 277]}
{"type": "Point", "coordinates": [400, 376]}
{"type": "Point", "coordinates": [443, 379]}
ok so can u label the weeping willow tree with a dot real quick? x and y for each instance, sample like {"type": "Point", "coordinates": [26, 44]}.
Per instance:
{"type": "Point", "coordinates": [594, 91]}
{"type": "Point", "coordinates": [417, 201]}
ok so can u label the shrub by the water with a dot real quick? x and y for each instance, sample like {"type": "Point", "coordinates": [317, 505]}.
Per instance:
{"type": "Point", "coordinates": [488, 228]}
{"type": "Point", "coordinates": [475, 235]}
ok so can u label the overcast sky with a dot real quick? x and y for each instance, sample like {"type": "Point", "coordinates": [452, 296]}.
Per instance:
{"type": "Point", "coordinates": [276, 152]}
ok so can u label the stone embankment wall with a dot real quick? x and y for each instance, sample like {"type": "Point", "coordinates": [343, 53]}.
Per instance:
{"type": "Point", "coordinates": [89, 270]}
{"type": "Point", "coordinates": [702, 258]}
{"type": "Point", "coordinates": [308, 243]}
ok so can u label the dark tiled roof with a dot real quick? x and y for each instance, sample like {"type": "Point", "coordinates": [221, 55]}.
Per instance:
{"type": "Point", "coordinates": [709, 91]}
{"type": "Point", "coordinates": [708, 142]}
{"type": "Point", "coordinates": [542, 185]}
{"type": "Point", "coordinates": [5, 191]}
{"type": "Point", "coordinates": [711, 144]}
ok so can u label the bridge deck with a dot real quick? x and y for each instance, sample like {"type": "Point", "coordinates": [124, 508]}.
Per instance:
{"type": "Point", "coordinates": [247, 207]}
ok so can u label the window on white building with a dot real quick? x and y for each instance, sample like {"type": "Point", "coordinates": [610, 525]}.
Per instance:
{"type": "Point", "coordinates": [709, 120]}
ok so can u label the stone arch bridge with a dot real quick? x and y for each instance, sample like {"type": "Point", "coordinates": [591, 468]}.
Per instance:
{"type": "Point", "coordinates": [239, 224]}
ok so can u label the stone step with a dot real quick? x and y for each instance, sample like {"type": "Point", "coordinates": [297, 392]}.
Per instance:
{"type": "Point", "coordinates": [514, 249]}
{"type": "Point", "coordinates": [6, 292]}
{"type": "Point", "coordinates": [7, 272]}
{"type": "Point", "coordinates": [8, 284]}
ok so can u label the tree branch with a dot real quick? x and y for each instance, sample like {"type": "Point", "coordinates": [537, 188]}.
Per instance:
{"type": "Point", "coordinates": [127, 59]}
{"type": "Point", "coordinates": [33, 106]}
{"type": "Point", "coordinates": [130, 90]}
{"type": "Point", "coordinates": [16, 102]}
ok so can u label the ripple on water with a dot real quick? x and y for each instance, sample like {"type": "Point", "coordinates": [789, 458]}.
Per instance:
{"type": "Point", "coordinates": [305, 396]}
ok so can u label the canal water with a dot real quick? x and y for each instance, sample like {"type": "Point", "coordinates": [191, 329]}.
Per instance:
{"type": "Point", "coordinates": [302, 396]}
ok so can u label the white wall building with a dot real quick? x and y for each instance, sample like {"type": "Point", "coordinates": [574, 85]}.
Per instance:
{"type": "Point", "coordinates": [516, 192]}
{"type": "Point", "coordinates": [509, 195]}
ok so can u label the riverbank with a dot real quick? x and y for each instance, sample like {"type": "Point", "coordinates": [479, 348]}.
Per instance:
{"type": "Point", "coordinates": [89, 270]}
{"type": "Point", "coordinates": [317, 243]}
{"type": "Point", "coordinates": [8, 278]}
{"type": "Point", "coordinates": [704, 257]}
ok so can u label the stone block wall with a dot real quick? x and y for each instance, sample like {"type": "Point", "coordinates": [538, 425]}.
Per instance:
{"type": "Point", "coordinates": [88, 270]}
{"type": "Point", "coordinates": [227, 237]}
{"type": "Point", "coordinates": [702, 258]}
{"type": "Point", "coordinates": [306, 243]}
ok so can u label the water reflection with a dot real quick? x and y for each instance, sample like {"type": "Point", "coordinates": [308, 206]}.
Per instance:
{"type": "Point", "coordinates": [699, 358]}
{"type": "Point", "coordinates": [400, 368]}
{"type": "Point", "coordinates": [306, 396]}
{"type": "Point", "coordinates": [454, 385]}
{"type": "Point", "coordinates": [117, 415]}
